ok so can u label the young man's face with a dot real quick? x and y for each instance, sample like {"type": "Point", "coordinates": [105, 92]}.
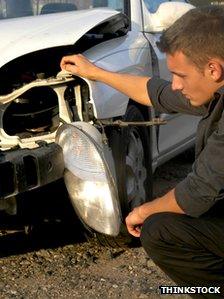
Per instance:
{"type": "Point", "coordinates": [197, 85]}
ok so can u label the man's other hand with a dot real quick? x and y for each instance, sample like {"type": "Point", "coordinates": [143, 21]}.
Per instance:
{"type": "Point", "coordinates": [134, 222]}
{"type": "Point", "coordinates": [166, 203]}
{"type": "Point", "coordinates": [79, 65]}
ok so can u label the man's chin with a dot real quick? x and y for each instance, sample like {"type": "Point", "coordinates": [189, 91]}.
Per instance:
{"type": "Point", "coordinates": [199, 102]}
{"type": "Point", "coordinates": [194, 103]}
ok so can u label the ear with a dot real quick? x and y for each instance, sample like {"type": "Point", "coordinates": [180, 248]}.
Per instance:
{"type": "Point", "coordinates": [214, 70]}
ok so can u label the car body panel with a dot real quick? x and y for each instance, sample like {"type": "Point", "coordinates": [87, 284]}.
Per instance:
{"type": "Point", "coordinates": [133, 57]}
{"type": "Point", "coordinates": [21, 36]}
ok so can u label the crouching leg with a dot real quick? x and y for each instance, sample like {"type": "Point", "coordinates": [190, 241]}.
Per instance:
{"type": "Point", "coordinates": [189, 250]}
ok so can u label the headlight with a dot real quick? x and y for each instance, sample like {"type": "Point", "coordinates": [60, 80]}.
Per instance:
{"type": "Point", "coordinates": [88, 178]}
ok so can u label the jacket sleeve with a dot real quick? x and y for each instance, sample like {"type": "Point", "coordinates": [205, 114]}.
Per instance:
{"type": "Point", "coordinates": [165, 100]}
{"type": "Point", "coordinates": [204, 186]}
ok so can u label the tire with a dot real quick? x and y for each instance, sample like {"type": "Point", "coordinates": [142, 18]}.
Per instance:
{"type": "Point", "coordinates": [132, 156]}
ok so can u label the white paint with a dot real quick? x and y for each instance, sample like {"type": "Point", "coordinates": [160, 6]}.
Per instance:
{"type": "Point", "coordinates": [21, 36]}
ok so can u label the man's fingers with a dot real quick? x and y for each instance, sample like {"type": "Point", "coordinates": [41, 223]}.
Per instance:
{"type": "Point", "coordinates": [134, 223]}
{"type": "Point", "coordinates": [77, 65]}
{"type": "Point", "coordinates": [68, 64]}
{"type": "Point", "coordinates": [71, 68]}
{"type": "Point", "coordinates": [65, 66]}
{"type": "Point", "coordinates": [134, 231]}
{"type": "Point", "coordinates": [67, 60]}
{"type": "Point", "coordinates": [138, 229]}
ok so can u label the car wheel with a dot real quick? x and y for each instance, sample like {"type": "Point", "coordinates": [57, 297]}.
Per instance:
{"type": "Point", "coordinates": [131, 151]}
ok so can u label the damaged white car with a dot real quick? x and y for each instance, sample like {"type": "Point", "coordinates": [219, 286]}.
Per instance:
{"type": "Point", "coordinates": [53, 125]}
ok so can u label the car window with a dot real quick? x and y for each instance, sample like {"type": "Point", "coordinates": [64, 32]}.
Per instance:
{"type": "Point", "coordinates": [153, 5]}
{"type": "Point", "coordinates": [22, 8]}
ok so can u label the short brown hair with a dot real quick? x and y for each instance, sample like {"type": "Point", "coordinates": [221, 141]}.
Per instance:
{"type": "Point", "coordinates": [199, 34]}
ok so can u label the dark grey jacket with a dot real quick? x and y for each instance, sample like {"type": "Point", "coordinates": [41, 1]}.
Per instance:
{"type": "Point", "coordinates": [199, 191]}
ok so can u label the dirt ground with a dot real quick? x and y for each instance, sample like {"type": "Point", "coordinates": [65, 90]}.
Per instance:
{"type": "Point", "coordinates": [60, 263]}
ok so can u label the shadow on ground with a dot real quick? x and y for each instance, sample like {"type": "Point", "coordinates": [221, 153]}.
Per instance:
{"type": "Point", "coordinates": [45, 219]}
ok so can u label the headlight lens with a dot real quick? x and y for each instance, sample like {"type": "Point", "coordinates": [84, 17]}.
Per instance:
{"type": "Point", "coordinates": [88, 179]}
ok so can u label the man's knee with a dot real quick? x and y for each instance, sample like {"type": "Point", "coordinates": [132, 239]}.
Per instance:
{"type": "Point", "coordinates": [160, 230]}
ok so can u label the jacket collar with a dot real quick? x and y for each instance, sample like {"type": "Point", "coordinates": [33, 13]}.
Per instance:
{"type": "Point", "coordinates": [219, 92]}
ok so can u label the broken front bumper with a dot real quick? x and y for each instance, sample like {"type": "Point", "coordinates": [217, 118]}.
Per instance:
{"type": "Point", "coordinates": [26, 169]}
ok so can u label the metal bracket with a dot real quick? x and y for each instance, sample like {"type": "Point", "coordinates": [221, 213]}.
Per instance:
{"type": "Point", "coordinates": [120, 123]}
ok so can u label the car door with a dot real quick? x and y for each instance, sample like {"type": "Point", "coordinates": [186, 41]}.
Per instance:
{"type": "Point", "coordinates": [180, 129]}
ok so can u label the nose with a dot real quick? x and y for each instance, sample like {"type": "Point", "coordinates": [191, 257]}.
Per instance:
{"type": "Point", "coordinates": [176, 83]}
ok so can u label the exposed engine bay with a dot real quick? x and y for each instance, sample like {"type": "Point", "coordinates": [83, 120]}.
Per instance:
{"type": "Point", "coordinates": [34, 112]}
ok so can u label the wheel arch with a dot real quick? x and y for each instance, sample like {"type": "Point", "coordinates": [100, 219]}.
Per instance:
{"type": "Point", "coordinates": [147, 114]}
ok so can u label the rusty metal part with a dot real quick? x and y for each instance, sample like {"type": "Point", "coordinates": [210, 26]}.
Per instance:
{"type": "Point", "coordinates": [120, 123]}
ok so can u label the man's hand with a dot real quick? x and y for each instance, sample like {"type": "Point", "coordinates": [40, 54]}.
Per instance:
{"type": "Point", "coordinates": [136, 218]}
{"type": "Point", "coordinates": [134, 222]}
{"type": "Point", "coordinates": [80, 66]}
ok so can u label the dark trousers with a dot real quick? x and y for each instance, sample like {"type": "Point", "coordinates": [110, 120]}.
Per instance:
{"type": "Point", "coordinates": [189, 250]}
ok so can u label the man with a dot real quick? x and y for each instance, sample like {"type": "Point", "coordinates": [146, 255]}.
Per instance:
{"type": "Point", "coordinates": [183, 231]}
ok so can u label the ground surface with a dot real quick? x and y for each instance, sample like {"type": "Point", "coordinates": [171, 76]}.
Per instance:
{"type": "Point", "coordinates": [55, 266]}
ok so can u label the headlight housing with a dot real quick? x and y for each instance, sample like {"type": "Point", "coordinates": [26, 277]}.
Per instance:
{"type": "Point", "coordinates": [88, 177]}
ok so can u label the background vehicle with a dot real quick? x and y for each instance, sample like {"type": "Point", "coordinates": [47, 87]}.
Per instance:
{"type": "Point", "coordinates": [34, 102]}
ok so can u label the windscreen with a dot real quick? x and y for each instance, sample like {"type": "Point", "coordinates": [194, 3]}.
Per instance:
{"type": "Point", "coordinates": [23, 8]}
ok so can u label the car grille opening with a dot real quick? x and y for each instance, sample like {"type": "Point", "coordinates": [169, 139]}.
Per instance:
{"type": "Point", "coordinates": [30, 166]}
{"type": "Point", "coordinates": [34, 113]}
